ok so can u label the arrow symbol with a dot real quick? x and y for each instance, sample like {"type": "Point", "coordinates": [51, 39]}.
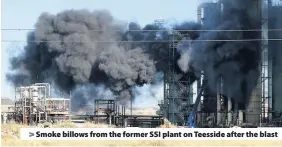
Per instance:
{"type": "Point", "coordinates": [31, 134]}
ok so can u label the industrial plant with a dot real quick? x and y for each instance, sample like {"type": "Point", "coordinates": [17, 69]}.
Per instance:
{"type": "Point", "coordinates": [215, 110]}
{"type": "Point", "coordinates": [189, 99]}
{"type": "Point", "coordinates": [34, 104]}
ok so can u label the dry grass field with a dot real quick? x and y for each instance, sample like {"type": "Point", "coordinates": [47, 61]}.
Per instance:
{"type": "Point", "coordinates": [10, 137]}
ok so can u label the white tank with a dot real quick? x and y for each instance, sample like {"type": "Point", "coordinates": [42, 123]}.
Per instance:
{"type": "Point", "coordinates": [34, 94]}
{"type": "Point", "coordinates": [25, 94]}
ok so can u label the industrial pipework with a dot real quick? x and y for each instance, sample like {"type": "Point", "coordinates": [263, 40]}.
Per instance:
{"type": "Point", "coordinates": [34, 104]}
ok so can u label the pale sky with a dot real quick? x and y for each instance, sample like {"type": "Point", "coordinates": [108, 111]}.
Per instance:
{"type": "Point", "coordinates": [22, 14]}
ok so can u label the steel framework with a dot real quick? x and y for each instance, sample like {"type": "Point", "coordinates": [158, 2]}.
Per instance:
{"type": "Point", "coordinates": [34, 104]}
{"type": "Point", "coordinates": [108, 111]}
{"type": "Point", "coordinates": [177, 88]}
{"type": "Point", "coordinates": [260, 108]}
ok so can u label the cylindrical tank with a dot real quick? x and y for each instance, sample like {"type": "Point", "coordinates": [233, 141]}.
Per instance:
{"type": "Point", "coordinates": [34, 94]}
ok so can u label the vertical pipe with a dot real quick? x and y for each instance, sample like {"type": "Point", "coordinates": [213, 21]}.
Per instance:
{"type": "Point", "coordinates": [45, 104]}
{"type": "Point", "coordinates": [69, 105]}
{"type": "Point", "coordinates": [241, 117]}
{"type": "Point", "coordinates": [229, 117]}
{"type": "Point", "coordinates": [110, 119]}
{"type": "Point", "coordinates": [30, 106]}
{"type": "Point", "coordinates": [199, 109]}
{"type": "Point", "coordinates": [131, 106]}
{"type": "Point", "coordinates": [218, 105]}
{"type": "Point", "coordinates": [22, 105]}
{"type": "Point", "coordinates": [270, 61]}
{"type": "Point", "coordinates": [235, 112]}
{"type": "Point", "coordinates": [218, 116]}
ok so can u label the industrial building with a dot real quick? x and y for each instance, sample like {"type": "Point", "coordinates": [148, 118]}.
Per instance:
{"type": "Point", "coordinates": [215, 110]}
{"type": "Point", "coordinates": [7, 105]}
{"type": "Point", "coordinates": [34, 104]}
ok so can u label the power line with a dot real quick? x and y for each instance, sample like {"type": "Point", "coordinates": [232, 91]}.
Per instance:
{"type": "Point", "coordinates": [200, 30]}
{"type": "Point", "coordinates": [219, 40]}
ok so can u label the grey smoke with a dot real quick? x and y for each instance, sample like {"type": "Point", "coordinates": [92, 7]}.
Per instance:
{"type": "Point", "coordinates": [83, 97]}
{"type": "Point", "coordinates": [66, 48]}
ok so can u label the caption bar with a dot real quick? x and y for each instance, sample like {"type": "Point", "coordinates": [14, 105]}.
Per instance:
{"type": "Point", "coordinates": [151, 134]}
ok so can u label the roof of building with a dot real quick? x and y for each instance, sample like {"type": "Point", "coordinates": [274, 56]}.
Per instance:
{"type": "Point", "coordinates": [6, 101]}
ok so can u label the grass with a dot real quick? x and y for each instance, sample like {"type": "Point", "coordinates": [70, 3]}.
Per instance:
{"type": "Point", "coordinates": [10, 137]}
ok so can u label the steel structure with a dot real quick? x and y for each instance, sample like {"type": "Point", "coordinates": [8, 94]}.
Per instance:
{"type": "Point", "coordinates": [107, 111]}
{"type": "Point", "coordinates": [34, 104]}
{"type": "Point", "coordinates": [178, 93]}
{"type": "Point", "coordinates": [274, 95]}
{"type": "Point", "coordinates": [264, 106]}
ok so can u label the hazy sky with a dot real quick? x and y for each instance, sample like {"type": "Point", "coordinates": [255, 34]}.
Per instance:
{"type": "Point", "coordinates": [22, 14]}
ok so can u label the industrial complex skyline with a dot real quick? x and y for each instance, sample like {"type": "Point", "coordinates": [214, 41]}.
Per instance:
{"type": "Point", "coordinates": [12, 19]}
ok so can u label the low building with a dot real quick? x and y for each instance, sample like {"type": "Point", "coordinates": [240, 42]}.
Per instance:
{"type": "Point", "coordinates": [7, 106]}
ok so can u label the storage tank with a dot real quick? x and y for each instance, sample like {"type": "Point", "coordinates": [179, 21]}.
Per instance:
{"type": "Point", "coordinates": [34, 95]}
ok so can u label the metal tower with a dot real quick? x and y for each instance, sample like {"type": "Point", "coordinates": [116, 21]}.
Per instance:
{"type": "Point", "coordinates": [177, 88]}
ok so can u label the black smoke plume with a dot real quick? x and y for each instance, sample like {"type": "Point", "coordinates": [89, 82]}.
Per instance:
{"type": "Point", "coordinates": [68, 49]}
{"type": "Point", "coordinates": [237, 62]}
{"type": "Point", "coordinates": [78, 47]}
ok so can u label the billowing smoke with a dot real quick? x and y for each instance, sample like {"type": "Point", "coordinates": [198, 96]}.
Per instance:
{"type": "Point", "coordinates": [83, 51]}
{"type": "Point", "coordinates": [78, 47]}
{"type": "Point", "coordinates": [237, 62]}
{"type": "Point", "coordinates": [83, 97]}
